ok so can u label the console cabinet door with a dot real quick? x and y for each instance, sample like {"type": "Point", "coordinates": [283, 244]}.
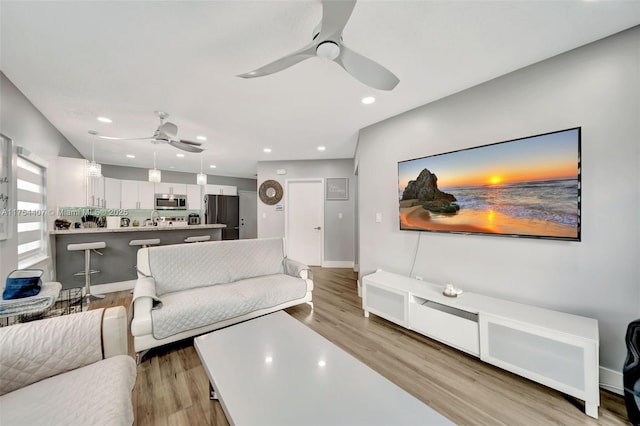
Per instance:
{"type": "Point", "coordinates": [388, 303]}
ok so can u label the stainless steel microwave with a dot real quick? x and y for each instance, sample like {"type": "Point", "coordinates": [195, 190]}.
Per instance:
{"type": "Point", "coordinates": [170, 202]}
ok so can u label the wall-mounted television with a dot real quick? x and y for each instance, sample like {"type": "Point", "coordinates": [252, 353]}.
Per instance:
{"type": "Point", "coordinates": [527, 187]}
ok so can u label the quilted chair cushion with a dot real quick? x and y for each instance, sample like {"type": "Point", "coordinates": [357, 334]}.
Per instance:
{"type": "Point", "coordinates": [187, 266]}
{"type": "Point", "coordinates": [33, 351]}
{"type": "Point", "coordinates": [97, 394]}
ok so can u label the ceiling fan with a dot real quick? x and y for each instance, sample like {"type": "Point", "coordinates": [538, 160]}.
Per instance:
{"type": "Point", "coordinates": [165, 133]}
{"type": "Point", "coordinates": [327, 43]}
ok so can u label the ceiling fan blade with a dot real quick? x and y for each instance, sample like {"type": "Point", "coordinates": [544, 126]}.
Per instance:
{"type": "Point", "coordinates": [190, 142]}
{"type": "Point", "coordinates": [185, 147]}
{"type": "Point", "coordinates": [335, 15]}
{"type": "Point", "coordinates": [111, 138]}
{"type": "Point", "coordinates": [168, 129]}
{"type": "Point", "coordinates": [367, 71]}
{"type": "Point", "coordinates": [306, 52]}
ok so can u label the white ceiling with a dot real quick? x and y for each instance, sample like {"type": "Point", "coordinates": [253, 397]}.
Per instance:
{"type": "Point", "coordinates": [125, 59]}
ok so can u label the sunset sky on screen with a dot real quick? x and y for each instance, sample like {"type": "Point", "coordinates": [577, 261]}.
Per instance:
{"type": "Point", "coordinates": [551, 156]}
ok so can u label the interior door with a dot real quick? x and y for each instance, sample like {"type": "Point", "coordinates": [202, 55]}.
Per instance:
{"type": "Point", "coordinates": [248, 214]}
{"type": "Point", "coordinates": [304, 223]}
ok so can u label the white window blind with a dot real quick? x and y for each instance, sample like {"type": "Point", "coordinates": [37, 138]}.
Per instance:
{"type": "Point", "coordinates": [31, 205]}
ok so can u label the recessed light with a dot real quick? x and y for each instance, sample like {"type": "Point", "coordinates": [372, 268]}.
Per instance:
{"type": "Point", "coordinates": [131, 156]}
{"type": "Point", "coordinates": [213, 166]}
{"type": "Point", "coordinates": [105, 120]}
{"type": "Point", "coordinates": [180, 155]}
{"type": "Point", "coordinates": [322, 148]}
{"type": "Point", "coordinates": [201, 138]}
{"type": "Point", "coordinates": [172, 167]}
{"type": "Point", "coordinates": [322, 363]}
{"type": "Point", "coordinates": [267, 150]}
{"type": "Point", "coordinates": [368, 100]}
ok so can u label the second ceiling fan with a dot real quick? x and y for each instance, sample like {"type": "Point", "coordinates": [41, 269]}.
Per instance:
{"type": "Point", "coordinates": [327, 43]}
{"type": "Point", "coordinates": [165, 133]}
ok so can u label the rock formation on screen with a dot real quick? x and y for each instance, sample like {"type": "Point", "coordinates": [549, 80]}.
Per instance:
{"type": "Point", "coordinates": [425, 190]}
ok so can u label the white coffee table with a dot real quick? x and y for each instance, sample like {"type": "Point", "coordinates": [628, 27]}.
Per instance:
{"type": "Point", "coordinates": [274, 370]}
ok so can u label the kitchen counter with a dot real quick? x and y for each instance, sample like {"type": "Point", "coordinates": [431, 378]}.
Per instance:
{"type": "Point", "coordinates": [119, 258]}
{"type": "Point", "coordinates": [73, 231]}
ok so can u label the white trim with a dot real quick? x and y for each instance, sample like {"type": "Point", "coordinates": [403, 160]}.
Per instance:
{"type": "Point", "coordinates": [287, 210]}
{"type": "Point", "coordinates": [611, 380]}
{"type": "Point", "coordinates": [356, 267]}
{"type": "Point", "coordinates": [337, 264]}
{"type": "Point", "coordinates": [32, 261]}
{"type": "Point", "coordinates": [113, 287]}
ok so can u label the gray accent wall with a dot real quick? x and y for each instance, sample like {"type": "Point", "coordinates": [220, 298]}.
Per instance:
{"type": "Point", "coordinates": [597, 87]}
{"type": "Point", "coordinates": [339, 234]}
{"type": "Point", "coordinates": [137, 173]}
{"type": "Point", "coordinates": [21, 121]}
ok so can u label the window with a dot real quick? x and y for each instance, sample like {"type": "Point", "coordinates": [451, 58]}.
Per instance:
{"type": "Point", "coordinates": [31, 217]}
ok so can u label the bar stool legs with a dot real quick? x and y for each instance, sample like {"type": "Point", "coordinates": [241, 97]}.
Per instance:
{"type": "Point", "coordinates": [87, 248]}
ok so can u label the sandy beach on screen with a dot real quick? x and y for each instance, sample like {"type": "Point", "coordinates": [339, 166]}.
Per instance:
{"type": "Point", "coordinates": [486, 221]}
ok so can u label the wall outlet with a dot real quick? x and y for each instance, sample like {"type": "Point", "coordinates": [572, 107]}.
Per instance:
{"type": "Point", "coordinates": [418, 277]}
{"type": "Point", "coordinates": [378, 217]}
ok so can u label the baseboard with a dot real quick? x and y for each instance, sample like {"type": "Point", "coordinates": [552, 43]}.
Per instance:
{"type": "Point", "coordinates": [337, 264]}
{"type": "Point", "coordinates": [356, 268]}
{"type": "Point", "coordinates": [611, 380]}
{"type": "Point", "coordinates": [113, 287]}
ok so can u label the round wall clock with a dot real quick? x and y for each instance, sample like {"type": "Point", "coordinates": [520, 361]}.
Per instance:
{"type": "Point", "coordinates": [270, 192]}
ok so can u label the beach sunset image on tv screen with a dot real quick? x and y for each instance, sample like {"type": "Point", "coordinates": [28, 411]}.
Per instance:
{"type": "Point", "coordinates": [527, 187]}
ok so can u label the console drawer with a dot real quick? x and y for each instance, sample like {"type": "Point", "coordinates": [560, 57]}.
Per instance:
{"type": "Point", "coordinates": [449, 325]}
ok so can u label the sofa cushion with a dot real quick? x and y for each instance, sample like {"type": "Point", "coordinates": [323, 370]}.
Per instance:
{"type": "Point", "coordinates": [97, 394]}
{"type": "Point", "coordinates": [30, 354]}
{"type": "Point", "coordinates": [186, 310]}
{"type": "Point", "coordinates": [186, 266]}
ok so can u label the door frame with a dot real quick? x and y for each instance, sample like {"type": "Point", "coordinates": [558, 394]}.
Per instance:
{"type": "Point", "coordinates": [287, 206]}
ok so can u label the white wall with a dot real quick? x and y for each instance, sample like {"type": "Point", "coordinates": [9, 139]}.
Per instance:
{"type": "Point", "coordinates": [22, 122]}
{"type": "Point", "coordinates": [596, 87]}
{"type": "Point", "coordinates": [339, 234]}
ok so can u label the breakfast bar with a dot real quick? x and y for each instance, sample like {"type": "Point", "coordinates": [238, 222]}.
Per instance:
{"type": "Point", "coordinates": [119, 258]}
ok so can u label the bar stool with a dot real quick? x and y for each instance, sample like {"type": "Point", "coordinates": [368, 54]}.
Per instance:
{"type": "Point", "coordinates": [145, 243]}
{"type": "Point", "coordinates": [87, 248]}
{"type": "Point", "coordinates": [197, 239]}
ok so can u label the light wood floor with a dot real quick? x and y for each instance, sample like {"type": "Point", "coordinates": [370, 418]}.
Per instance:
{"type": "Point", "coordinates": [172, 387]}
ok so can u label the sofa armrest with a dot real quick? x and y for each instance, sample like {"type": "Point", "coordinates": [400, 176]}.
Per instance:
{"type": "Point", "coordinates": [144, 300]}
{"type": "Point", "coordinates": [36, 350]}
{"type": "Point", "coordinates": [114, 332]}
{"type": "Point", "coordinates": [296, 269]}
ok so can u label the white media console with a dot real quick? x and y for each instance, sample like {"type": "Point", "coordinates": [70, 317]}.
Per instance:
{"type": "Point", "coordinates": [556, 349]}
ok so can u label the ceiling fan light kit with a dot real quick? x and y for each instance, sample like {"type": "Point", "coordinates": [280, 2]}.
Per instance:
{"type": "Point", "coordinates": [327, 43]}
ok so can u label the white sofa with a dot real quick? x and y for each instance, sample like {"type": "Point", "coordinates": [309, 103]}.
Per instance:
{"type": "Point", "coordinates": [184, 290]}
{"type": "Point", "coordinates": [68, 370]}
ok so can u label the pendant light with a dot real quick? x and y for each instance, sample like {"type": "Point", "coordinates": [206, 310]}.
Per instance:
{"type": "Point", "coordinates": [154, 174]}
{"type": "Point", "coordinates": [93, 169]}
{"type": "Point", "coordinates": [201, 178]}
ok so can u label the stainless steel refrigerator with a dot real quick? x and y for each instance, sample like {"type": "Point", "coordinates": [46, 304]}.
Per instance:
{"type": "Point", "coordinates": [223, 209]}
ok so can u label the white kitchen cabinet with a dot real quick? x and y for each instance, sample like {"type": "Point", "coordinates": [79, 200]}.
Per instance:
{"type": "Point", "coordinates": [146, 195]}
{"type": "Point", "coordinates": [171, 188]}
{"type": "Point", "coordinates": [71, 184]}
{"type": "Point", "coordinates": [137, 194]}
{"type": "Point", "coordinates": [221, 190]}
{"type": "Point", "coordinates": [194, 197]}
{"type": "Point", "coordinates": [95, 192]}
{"type": "Point", "coordinates": [112, 193]}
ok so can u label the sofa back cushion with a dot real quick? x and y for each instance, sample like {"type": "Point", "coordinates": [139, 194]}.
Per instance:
{"type": "Point", "coordinates": [185, 266]}
{"type": "Point", "coordinates": [36, 350]}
